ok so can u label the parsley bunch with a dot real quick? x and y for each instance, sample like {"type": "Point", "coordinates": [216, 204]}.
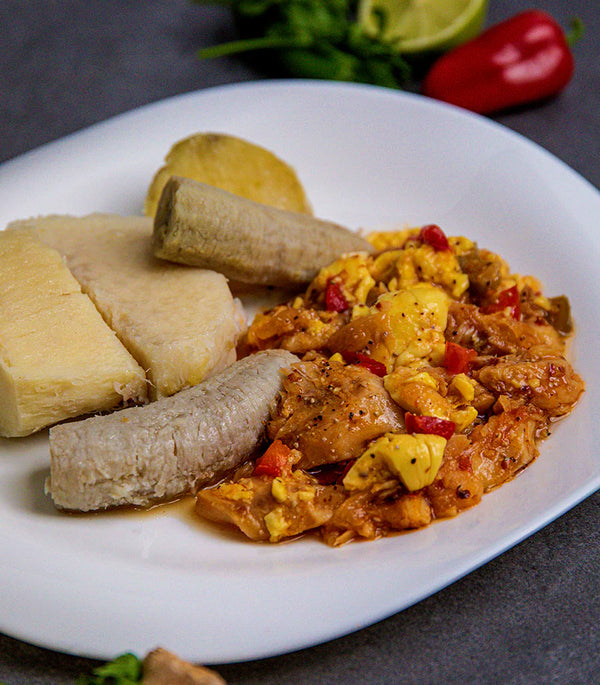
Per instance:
{"type": "Point", "coordinates": [319, 39]}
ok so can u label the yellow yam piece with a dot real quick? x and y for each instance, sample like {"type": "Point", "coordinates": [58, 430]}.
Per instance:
{"type": "Point", "coordinates": [58, 358]}
{"type": "Point", "coordinates": [181, 324]}
{"type": "Point", "coordinates": [232, 164]}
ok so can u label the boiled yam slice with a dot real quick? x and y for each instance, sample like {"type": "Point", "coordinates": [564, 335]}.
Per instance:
{"type": "Point", "coordinates": [58, 358]}
{"type": "Point", "coordinates": [233, 164]}
{"type": "Point", "coordinates": [181, 324]}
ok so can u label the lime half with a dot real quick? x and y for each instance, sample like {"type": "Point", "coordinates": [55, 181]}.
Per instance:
{"type": "Point", "coordinates": [412, 26]}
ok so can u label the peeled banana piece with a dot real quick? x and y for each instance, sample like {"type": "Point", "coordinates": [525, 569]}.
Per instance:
{"type": "Point", "coordinates": [168, 448]}
{"type": "Point", "coordinates": [58, 358]}
{"type": "Point", "coordinates": [247, 241]}
{"type": "Point", "coordinates": [180, 324]}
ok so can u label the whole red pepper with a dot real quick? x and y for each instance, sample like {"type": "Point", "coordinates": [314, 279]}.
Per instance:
{"type": "Point", "coordinates": [521, 60]}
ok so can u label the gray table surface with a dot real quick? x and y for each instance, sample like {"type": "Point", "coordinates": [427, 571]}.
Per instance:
{"type": "Point", "coordinates": [529, 616]}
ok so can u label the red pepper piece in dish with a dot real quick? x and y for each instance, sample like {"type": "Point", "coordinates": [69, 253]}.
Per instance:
{"type": "Point", "coordinates": [378, 368]}
{"type": "Point", "coordinates": [457, 359]}
{"type": "Point", "coordinates": [430, 425]}
{"type": "Point", "coordinates": [276, 461]}
{"type": "Point", "coordinates": [335, 300]}
{"type": "Point", "coordinates": [521, 60]}
{"type": "Point", "coordinates": [434, 236]}
{"type": "Point", "coordinates": [507, 299]}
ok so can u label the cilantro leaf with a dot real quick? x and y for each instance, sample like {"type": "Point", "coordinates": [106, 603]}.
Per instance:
{"type": "Point", "coordinates": [126, 669]}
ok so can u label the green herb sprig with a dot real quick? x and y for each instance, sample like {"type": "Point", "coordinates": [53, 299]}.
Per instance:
{"type": "Point", "coordinates": [319, 39]}
{"type": "Point", "coordinates": [126, 669]}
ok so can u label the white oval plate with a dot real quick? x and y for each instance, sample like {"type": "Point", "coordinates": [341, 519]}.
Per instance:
{"type": "Point", "coordinates": [369, 157]}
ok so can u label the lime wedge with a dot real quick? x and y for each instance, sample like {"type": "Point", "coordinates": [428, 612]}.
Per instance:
{"type": "Point", "coordinates": [412, 26]}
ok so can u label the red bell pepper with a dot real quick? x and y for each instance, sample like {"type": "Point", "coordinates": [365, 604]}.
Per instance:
{"type": "Point", "coordinates": [521, 60]}
{"type": "Point", "coordinates": [430, 425]}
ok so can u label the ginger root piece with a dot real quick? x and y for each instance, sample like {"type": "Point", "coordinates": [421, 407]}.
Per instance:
{"type": "Point", "coordinates": [161, 667]}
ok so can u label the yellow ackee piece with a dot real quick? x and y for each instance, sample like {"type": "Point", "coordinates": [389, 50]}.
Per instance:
{"type": "Point", "coordinates": [421, 263]}
{"type": "Point", "coordinates": [354, 273]}
{"type": "Point", "coordinates": [315, 326]}
{"type": "Point", "coordinates": [289, 492]}
{"type": "Point", "coordinates": [236, 491]}
{"type": "Point", "coordinates": [384, 268]}
{"type": "Point", "coordinates": [385, 240]}
{"type": "Point", "coordinates": [464, 385]}
{"type": "Point", "coordinates": [276, 524]}
{"type": "Point", "coordinates": [291, 489]}
{"type": "Point", "coordinates": [414, 459]}
{"type": "Point", "coordinates": [278, 490]}
{"type": "Point", "coordinates": [418, 394]}
{"type": "Point", "coordinates": [423, 377]}
{"type": "Point", "coordinates": [460, 245]}
{"type": "Point", "coordinates": [418, 319]}
{"type": "Point", "coordinates": [360, 310]}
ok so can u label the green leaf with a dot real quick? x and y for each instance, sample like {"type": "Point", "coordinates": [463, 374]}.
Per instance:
{"type": "Point", "coordinates": [322, 62]}
{"type": "Point", "coordinates": [313, 39]}
{"type": "Point", "coordinates": [126, 669]}
{"type": "Point", "coordinates": [577, 29]}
